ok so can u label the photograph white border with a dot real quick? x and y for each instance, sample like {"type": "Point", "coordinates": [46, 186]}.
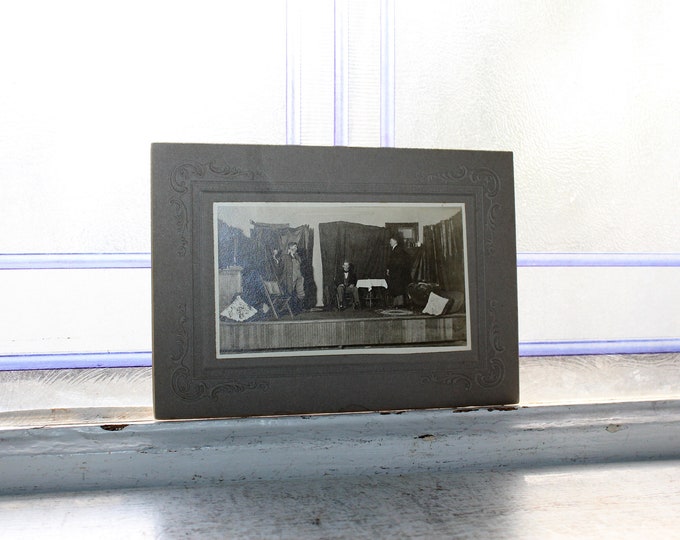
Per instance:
{"type": "Point", "coordinates": [268, 207]}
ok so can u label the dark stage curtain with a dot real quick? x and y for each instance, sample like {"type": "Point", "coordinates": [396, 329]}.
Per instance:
{"type": "Point", "coordinates": [253, 254]}
{"type": "Point", "coordinates": [422, 270]}
{"type": "Point", "coordinates": [365, 246]}
{"type": "Point", "coordinates": [441, 257]}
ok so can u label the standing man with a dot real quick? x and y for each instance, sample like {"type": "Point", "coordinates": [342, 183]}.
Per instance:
{"type": "Point", "coordinates": [293, 281]}
{"type": "Point", "coordinates": [275, 264]}
{"type": "Point", "coordinates": [398, 272]}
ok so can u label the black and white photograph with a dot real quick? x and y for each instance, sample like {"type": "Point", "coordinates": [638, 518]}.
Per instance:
{"type": "Point", "coordinates": [308, 279]}
{"type": "Point", "coordinates": [296, 277]}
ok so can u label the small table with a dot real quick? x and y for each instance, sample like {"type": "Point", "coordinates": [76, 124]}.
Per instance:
{"type": "Point", "coordinates": [369, 284]}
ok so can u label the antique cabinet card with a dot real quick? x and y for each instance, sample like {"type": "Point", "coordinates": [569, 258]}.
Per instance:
{"type": "Point", "coordinates": [293, 279]}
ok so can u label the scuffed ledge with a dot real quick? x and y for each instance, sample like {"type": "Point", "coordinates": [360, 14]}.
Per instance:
{"type": "Point", "coordinates": [191, 453]}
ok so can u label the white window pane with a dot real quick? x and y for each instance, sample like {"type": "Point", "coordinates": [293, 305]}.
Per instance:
{"type": "Point", "coordinates": [60, 311]}
{"type": "Point", "coordinates": [364, 73]}
{"type": "Point", "coordinates": [316, 70]}
{"type": "Point", "coordinates": [88, 86]}
{"type": "Point", "coordinates": [591, 303]}
{"type": "Point", "coordinates": [586, 95]}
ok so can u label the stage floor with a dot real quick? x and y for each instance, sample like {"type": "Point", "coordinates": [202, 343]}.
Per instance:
{"type": "Point", "coordinates": [347, 328]}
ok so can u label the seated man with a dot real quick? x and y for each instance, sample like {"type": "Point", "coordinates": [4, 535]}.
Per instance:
{"type": "Point", "coordinates": [346, 281]}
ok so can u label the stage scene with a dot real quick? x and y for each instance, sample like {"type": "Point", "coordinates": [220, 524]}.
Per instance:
{"type": "Point", "coordinates": [298, 276]}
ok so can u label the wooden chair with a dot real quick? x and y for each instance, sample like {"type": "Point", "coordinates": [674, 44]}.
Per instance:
{"type": "Point", "coordinates": [278, 301]}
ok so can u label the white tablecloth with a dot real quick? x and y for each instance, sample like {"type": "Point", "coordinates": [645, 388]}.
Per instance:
{"type": "Point", "coordinates": [370, 283]}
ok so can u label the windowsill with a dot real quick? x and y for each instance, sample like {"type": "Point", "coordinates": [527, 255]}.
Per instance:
{"type": "Point", "coordinates": [518, 471]}
{"type": "Point", "coordinates": [207, 452]}
{"type": "Point", "coordinates": [124, 395]}
{"type": "Point", "coordinates": [117, 447]}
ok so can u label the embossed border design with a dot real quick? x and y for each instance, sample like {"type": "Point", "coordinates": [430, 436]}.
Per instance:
{"type": "Point", "coordinates": [492, 371]}
{"type": "Point", "coordinates": [182, 172]}
{"type": "Point", "coordinates": [185, 384]}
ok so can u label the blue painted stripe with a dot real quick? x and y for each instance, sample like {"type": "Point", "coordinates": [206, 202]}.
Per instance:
{"type": "Point", "coordinates": [527, 348]}
{"type": "Point", "coordinates": [73, 261]}
{"type": "Point", "coordinates": [387, 74]}
{"type": "Point", "coordinates": [293, 67]}
{"type": "Point", "coordinates": [21, 362]}
{"type": "Point", "coordinates": [597, 259]}
{"type": "Point", "coordinates": [340, 75]}
{"type": "Point", "coordinates": [622, 346]}
{"type": "Point", "coordinates": [55, 261]}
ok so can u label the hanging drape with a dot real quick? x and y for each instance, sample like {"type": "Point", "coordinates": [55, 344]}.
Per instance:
{"type": "Point", "coordinates": [365, 246]}
{"type": "Point", "coordinates": [254, 255]}
{"type": "Point", "coordinates": [441, 257]}
{"type": "Point", "coordinates": [268, 237]}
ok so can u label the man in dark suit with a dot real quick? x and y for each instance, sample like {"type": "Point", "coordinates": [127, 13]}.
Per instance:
{"type": "Point", "coordinates": [346, 281]}
{"type": "Point", "coordinates": [293, 281]}
{"type": "Point", "coordinates": [398, 272]}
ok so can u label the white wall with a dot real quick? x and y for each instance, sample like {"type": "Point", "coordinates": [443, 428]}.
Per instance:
{"type": "Point", "coordinates": [586, 93]}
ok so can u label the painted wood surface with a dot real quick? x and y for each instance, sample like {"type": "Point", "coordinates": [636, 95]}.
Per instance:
{"type": "Point", "coordinates": [552, 471]}
{"type": "Point", "coordinates": [195, 453]}
{"type": "Point", "coordinates": [618, 500]}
